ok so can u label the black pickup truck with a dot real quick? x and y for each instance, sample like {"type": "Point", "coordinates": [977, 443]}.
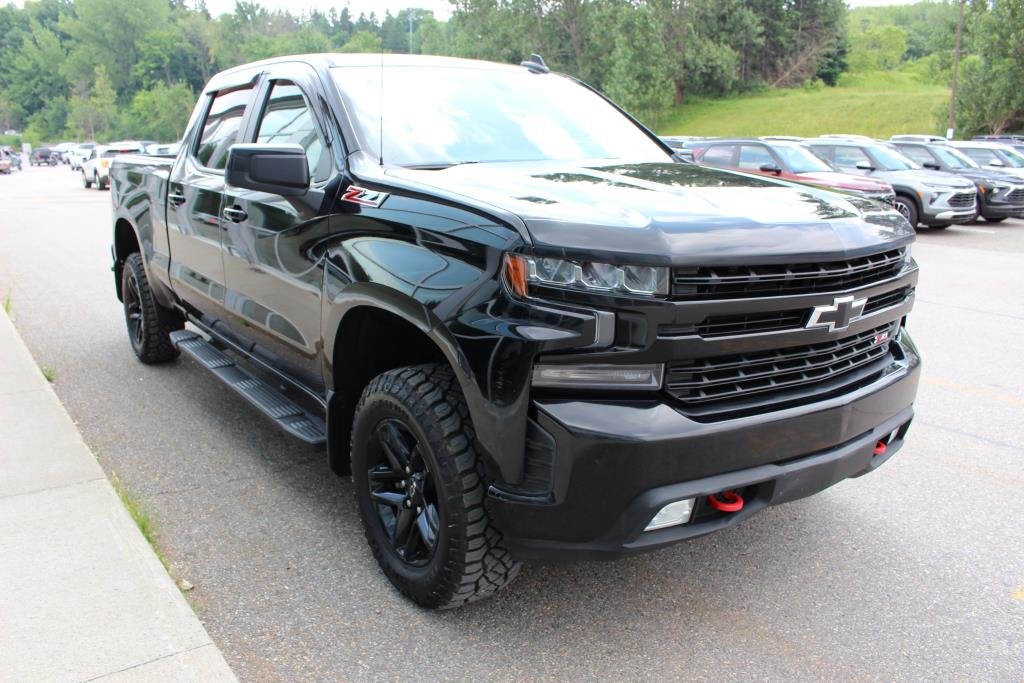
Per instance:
{"type": "Point", "coordinates": [524, 328]}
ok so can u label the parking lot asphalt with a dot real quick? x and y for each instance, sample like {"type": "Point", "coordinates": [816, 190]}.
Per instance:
{"type": "Point", "coordinates": [915, 571]}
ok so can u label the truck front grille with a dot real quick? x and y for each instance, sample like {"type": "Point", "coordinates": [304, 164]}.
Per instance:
{"type": "Point", "coordinates": [739, 282]}
{"type": "Point", "coordinates": [715, 387]}
{"type": "Point", "coordinates": [962, 200]}
{"type": "Point", "coordinates": [756, 323]}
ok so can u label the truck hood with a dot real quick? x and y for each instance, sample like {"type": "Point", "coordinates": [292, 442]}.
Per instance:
{"type": "Point", "coordinates": [671, 213]}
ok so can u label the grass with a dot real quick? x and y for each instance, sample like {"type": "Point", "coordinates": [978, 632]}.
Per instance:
{"type": "Point", "coordinates": [49, 373]}
{"type": "Point", "coordinates": [147, 526]}
{"type": "Point", "coordinates": [877, 104]}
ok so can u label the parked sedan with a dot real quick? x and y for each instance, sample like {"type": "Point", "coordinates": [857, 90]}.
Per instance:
{"type": "Point", "coordinates": [931, 198]}
{"type": "Point", "coordinates": [788, 160]}
{"type": "Point", "coordinates": [1000, 194]}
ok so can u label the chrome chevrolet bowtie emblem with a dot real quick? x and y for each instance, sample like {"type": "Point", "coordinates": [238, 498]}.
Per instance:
{"type": "Point", "coordinates": [838, 315]}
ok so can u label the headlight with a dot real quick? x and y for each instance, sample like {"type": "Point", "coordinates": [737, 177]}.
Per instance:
{"type": "Point", "coordinates": [599, 376]}
{"type": "Point", "coordinates": [522, 271]}
{"type": "Point", "coordinates": [906, 255]}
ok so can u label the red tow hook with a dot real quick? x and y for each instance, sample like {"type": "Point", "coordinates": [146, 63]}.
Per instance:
{"type": "Point", "coordinates": [880, 448]}
{"type": "Point", "coordinates": [726, 501]}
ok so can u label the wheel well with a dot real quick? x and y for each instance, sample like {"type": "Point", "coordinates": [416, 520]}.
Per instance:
{"type": "Point", "coordinates": [369, 341]}
{"type": "Point", "coordinates": [125, 244]}
{"type": "Point", "coordinates": [913, 198]}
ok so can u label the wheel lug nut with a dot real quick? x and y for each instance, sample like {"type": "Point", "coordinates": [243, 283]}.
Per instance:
{"type": "Point", "coordinates": [418, 509]}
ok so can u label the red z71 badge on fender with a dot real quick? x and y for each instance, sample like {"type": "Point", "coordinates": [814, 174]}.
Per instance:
{"type": "Point", "coordinates": [360, 195]}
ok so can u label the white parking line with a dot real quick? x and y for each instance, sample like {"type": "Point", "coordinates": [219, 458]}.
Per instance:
{"type": "Point", "coordinates": [987, 232]}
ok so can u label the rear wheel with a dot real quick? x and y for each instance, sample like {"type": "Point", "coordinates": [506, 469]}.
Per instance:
{"type": "Point", "coordinates": [420, 489]}
{"type": "Point", "coordinates": [149, 324]}
{"type": "Point", "coordinates": [907, 208]}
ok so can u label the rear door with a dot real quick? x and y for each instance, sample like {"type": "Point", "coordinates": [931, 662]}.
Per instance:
{"type": "Point", "coordinates": [195, 189]}
{"type": "Point", "coordinates": [272, 268]}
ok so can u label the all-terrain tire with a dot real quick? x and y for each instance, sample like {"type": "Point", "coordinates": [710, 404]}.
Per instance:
{"type": "Point", "coordinates": [469, 560]}
{"type": "Point", "coordinates": [149, 324]}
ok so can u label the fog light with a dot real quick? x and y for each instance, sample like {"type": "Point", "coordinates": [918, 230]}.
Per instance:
{"type": "Point", "coordinates": [672, 514]}
{"type": "Point", "coordinates": [599, 376]}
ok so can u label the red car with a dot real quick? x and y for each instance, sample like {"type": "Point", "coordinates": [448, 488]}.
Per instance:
{"type": "Point", "coordinates": [786, 159]}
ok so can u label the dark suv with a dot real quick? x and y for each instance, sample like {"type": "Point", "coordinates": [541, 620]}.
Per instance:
{"type": "Point", "coordinates": [931, 198]}
{"type": "Point", "coordinates": [498, 302]}
{"type": "Point", "coordinates": [1000, 194]}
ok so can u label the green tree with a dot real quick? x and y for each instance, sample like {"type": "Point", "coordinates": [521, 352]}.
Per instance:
{"type": "Point", "coordinates": [363, 41]}
{"type": "Point", "coordinates": [162, 112]}
{"type": "Point", "coordinates": [878, 49]}
{"type": "Point", "coordinates": [990, 98]}
{"type": "Point", "coordinates": [110, 32]}
{"type": "Point", "coordinates": [639, 79]}
{"type": "Point", "coordinates": [95, 115]}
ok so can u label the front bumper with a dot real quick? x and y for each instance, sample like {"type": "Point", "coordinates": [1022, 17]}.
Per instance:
{"type": "Point", "coordinates": [616, 463]}
{"type": "Point", "coordinates": [996, 210]}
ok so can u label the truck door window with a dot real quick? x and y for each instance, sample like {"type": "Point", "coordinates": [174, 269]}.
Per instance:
{"type": "Point", "coordinates": [753, 157]}
{"type": "Point", "coordinates": [220, 129]}
{"type": "Point", "coordinates": [719, 155]}
{"type": "Point", "coordinates": [286, 118]}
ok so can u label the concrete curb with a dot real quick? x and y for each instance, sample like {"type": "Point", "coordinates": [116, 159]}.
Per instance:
{"type": "Point", "coordinates": [84, 595]}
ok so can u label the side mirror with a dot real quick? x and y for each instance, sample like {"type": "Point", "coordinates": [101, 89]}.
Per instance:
{"type": "Point", "coordinates": [865, 166]}
{"type": "Point", "coordinates": [770, 168]}
{"type": "Point", "coordinates": [932, 166]}
{"type": "Point", "coordinates": [995, 162]}
{"type": "Point", "coordinates": [280, 168]}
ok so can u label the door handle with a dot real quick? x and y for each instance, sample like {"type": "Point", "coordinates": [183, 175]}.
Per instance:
{"type": "Point", "coordinates": [175, 199]}
{"type": "Point", "coordinates": [235, 215]}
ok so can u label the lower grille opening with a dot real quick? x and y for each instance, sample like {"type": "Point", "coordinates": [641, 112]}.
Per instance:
{"type": "Point", "coordinates": [727, 386]}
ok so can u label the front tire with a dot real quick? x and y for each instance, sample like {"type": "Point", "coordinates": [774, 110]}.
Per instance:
{"type": "Point", "coordinates": [908, 208]}
{"type": "Point", "coordinates": [86, 183]}
{"type": "Point", "coordinates": [420, 489]}
{"type": "Point", "coordinates": [149, 324]}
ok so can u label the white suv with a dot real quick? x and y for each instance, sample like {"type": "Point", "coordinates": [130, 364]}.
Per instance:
{"type": "Point", "coordinates": [96, 167]}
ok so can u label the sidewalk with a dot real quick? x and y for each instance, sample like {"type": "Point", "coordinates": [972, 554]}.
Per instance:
{"type": "Point", "coordinates": [82, 595]}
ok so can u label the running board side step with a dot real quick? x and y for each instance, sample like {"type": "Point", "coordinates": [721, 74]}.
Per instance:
{"type": "Point", "coordinates": [268, 400]}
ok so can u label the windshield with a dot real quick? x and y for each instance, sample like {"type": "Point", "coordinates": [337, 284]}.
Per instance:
{"type": "Point", "coordinates": [953, 158]}
{"type": "Point", "coordinates": [437, 116]}
{"type": "Point", "coordinates": [891, 160]}
{"type": "Point", "coordinates": [800, 159]}
{"type": "Point", "coordinates": [1016, 158]}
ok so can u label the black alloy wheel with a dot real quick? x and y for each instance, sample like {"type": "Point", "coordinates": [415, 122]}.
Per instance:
{"type": "Point", "coordinates": [403, 491]}
{"type": "Point", "coordinates": [133, 311]}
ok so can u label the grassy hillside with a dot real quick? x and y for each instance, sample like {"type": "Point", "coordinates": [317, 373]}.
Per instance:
{"type": "Point", "coordinates": [876, 104]}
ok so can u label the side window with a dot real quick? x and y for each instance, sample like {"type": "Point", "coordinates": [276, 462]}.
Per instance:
{"type": "Point", "coordinates": [220, 129]}
{"type": "Point", "coordinates": [753, 157]}
{"type": "Point", "coordinates": [918, 154]}
{"type": "Point", "coordinates": [981, 155]}
{"type": "Point", "coordinates": [719, 155]}
{"type": "Point", "coordinates": [849, 157]}
{"type": "Point", "coordinates": [822, 152]}
{"type": "Point", "coordinates": [287, 118]}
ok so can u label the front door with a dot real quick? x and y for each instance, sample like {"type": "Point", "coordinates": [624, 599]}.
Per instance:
{"type": "Point", "coordinates": [271, 263]}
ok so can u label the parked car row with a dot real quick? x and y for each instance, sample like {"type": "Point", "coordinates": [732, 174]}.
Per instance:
{"type": "Point", "coordinates": [931, 181]}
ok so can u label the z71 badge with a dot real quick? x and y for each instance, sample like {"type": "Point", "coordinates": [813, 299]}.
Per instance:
{"type": "Point", "coordinates": [364, 197]}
